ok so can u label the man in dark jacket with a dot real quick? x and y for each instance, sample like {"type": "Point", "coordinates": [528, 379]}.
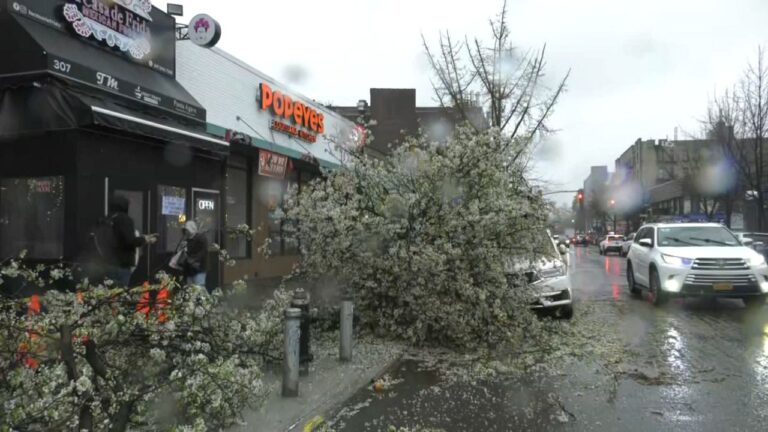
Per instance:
{"type": "Point", "coordinates": [122, 258]}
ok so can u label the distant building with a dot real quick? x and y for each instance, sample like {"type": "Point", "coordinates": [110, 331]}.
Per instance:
{"type": "Point", "coordinates": [671, 176]}
{"type": "Point", "coordinates": [594, 189]}
{"type": "Point", "coordinates": [396, 116]}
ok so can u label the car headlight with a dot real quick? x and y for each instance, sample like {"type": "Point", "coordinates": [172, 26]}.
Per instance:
{"type": "Point", "coordinates": [757, 260]}
{"type": "Point", "coordinates": [677, 261]}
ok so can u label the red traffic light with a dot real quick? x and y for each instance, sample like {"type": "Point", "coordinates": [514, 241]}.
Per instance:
{"type": "Point", "coordinates": [580, 196]}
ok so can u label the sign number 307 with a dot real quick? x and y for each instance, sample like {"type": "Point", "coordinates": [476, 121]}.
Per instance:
{"type": "Point", "coordinates": [62, 66]}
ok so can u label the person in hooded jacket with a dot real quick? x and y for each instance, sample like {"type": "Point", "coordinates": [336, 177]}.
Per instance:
{"type": "Point", "coordinates": [195, 266]}
{"type": "Point", "coordinates": [122, 259]}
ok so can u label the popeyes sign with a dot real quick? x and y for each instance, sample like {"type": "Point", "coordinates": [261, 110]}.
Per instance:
{"type": "Point", "coordinates": [293, 117]}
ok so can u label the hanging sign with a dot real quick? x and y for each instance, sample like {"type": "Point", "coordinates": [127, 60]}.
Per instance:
{"type": "Point", "coordinates": [272, 164]}
{"type": "Point", "coordinates": [204, 31]}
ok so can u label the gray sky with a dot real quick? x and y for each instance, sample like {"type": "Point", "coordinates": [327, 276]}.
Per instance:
{"type": "Point", "coordinates": [639, 68]}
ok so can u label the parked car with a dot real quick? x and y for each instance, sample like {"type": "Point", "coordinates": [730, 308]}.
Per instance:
{"type": "Point", "coordinates": [695, 259]}
{"type": "Point", "coordinates": [757, 241]}
{"type": "Point", "coordinates": [627, 244]}
{"type": "Point", "coordinates": [549, 276]}
{"type": "Point", "coordinates": [611, 243]}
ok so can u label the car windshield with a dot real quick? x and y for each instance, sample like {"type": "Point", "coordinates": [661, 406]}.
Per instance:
{"type": "Point", "coordinates": [696, 236]}
{"type": "Point", "coordinates": [615, 238]}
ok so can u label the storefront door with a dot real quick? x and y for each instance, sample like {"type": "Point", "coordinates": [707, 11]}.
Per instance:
{"type": "Point", "coordinates": [206, 212]}
{"type": "Point", "coordinates": [139, 210]}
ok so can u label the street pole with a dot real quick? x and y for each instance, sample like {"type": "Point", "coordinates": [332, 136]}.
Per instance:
{"type": "Point", "coordinates": [346, 315]}
{"type": "Point", "coordinates": [291, 355]}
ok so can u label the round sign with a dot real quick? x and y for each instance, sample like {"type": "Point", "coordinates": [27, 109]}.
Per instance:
{"type": "Point", "coordinates": [204, 31]}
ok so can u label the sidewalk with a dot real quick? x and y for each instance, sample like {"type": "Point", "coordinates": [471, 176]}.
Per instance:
{"type": "Point", "coordinates": [329, 383]}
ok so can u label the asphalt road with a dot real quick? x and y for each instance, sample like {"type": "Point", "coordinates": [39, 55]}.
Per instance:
{"type": "Point", "coordinates": [694, 365]}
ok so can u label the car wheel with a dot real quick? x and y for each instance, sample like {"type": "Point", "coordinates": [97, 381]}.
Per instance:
{"type": "Point", "coordinates": [658, 296]}
{"type": "Point", "coordinates": [633, 289]}
{"type": "Point", "coordinates": [566, 312]}
{"type": "Point", "coordinates": [754, 302]}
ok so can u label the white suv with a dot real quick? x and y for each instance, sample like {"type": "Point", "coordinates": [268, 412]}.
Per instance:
{"type": "Point", "coordinates": [689, 260]}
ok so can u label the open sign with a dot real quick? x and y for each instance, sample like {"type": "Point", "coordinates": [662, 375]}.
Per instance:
{"type": "Point", "coordinates": [206, 205]}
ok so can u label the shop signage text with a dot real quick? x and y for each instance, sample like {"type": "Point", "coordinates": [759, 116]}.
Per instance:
{"type": "Point", "coordinates": [129, 28]}
{"type": "Point", "coordinates": [134, 91]}
{"type": "Point", "coordinates": [122, 24]}
{"type": "Point", "coordinates": [272, 164]}
{"type": "Point", "coordinates": [206, 205]}
{"type": "Point", "coordinates": [173, 205]}
{"type": "Point", "coordinates": [300, 114]}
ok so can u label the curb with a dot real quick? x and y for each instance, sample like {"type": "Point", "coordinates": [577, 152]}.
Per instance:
{"type": "Point", "coordinates": [314, 423]}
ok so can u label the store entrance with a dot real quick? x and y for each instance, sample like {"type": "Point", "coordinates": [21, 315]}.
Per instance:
{"type": "Point", "coordinates": [206, 212]}
{"type": "Point", "coordinates": [139, 209]}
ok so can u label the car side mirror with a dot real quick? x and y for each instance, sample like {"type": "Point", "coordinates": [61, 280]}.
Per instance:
{"type": "Point", "coordinates": [747, 242]}
{"type": "Point", "coordinates": [562, 249]}
{"type": "Point", "coordinates": [645, 243]}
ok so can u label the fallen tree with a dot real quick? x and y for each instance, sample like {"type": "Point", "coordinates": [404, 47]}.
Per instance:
{"type": "Point", "coordinates": [421, 239]}
{"type": "Point", "coordinates": [158, 357]}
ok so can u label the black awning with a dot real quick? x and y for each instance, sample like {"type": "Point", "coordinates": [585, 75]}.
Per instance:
{"type": "Point", "coordinates": [61, 54]}
{"type": "Point", "coordinates": [51, 105]}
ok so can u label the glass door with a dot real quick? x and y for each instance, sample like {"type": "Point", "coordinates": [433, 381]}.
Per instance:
{"type": "Point", "coordinates": [206, 212]}
{"type": "Point", "coordinates": [139, 212]}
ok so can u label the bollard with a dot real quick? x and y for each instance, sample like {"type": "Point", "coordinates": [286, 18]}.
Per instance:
{"type": "Point", "coordinates": [347, 314]}
{"type": "Point", "coordinates": [301, 301]}
{"type": "Point", "coordinates": [291, 354]}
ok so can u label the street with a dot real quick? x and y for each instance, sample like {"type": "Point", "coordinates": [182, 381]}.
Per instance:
{"type": "Point", "coordinates": [693, 365]}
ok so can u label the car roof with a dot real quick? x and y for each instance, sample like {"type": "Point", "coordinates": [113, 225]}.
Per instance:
{"type": "Point", "coordinates": [684, 224]}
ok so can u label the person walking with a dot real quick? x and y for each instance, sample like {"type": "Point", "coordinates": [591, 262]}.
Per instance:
{"type": "Point", "coordinates": [122, 248]}
{"type": "Point", "coordinates": [192, 255]}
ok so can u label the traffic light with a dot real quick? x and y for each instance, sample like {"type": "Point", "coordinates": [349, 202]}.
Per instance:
{"type": "Point", "coordinates": [580, 197]}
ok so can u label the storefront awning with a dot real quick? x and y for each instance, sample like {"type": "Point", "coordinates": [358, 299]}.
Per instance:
{"type": "Point", "coordinates": [47, 51]}
{"type": "Point", "coordinates": [52, 105]}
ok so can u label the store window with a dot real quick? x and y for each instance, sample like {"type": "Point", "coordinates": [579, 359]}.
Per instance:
{"type": "Point", "coordinates": [172, 202]}
{"type": "Point", "coordinates": [32, 217]}
{"type": "Point", "coordinates": [274, 193]}
{"type": "Point", "coordinates": [237, 207]}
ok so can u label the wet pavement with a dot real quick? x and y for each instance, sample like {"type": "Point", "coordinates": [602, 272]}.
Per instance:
{"type": "Point", "coordinates": [693, 365]}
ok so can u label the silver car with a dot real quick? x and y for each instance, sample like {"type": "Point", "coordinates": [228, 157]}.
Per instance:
{"type": "Point", "coordinates": [550, 279]}
{"type": "Point", "coordinates": [627, 244]}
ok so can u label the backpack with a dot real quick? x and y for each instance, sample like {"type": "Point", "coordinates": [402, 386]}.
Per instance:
{"type": "Point", "coordinates": [103, 238]}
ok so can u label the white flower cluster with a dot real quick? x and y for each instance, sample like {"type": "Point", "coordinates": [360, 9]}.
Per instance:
{"type": "Point", "coordinates": [421, 238]}
{"type": "Point", "coordinates": [158, 353]}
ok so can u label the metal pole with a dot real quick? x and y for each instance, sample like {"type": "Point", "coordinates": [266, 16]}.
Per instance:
{"type": "Point", "coordinates": [347, 314]}
{"type": "Point", "coordinates": [291, 355]}
{"type": "Point", "coordinates": [301, 301]}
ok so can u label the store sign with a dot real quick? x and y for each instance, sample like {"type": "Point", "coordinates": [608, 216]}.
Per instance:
{"type": "Point", "coordinates": [204, 31]}
{"type": "Point", "coordinates": [121, 24]}
{"type": "Point", "coordinates": [294, 117]}
{"type": "Point", "coordinates": [132, 28]}
{"type": "Point", "coordinates": [272, 164]}
{"type": "Point", "coordinates": [83, 74]}
{"type": "Point", "coordinates": [206, 204]}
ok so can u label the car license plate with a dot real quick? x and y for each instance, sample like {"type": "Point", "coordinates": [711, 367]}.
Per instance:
{"type": "Point", "coordinates": [723, 286]}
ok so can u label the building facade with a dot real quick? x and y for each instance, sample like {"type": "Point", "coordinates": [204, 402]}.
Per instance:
{"type": "Point", "coordinates": [279, 139]}
{"type": "Point", "coordinates": [396, 116]}
{"type": "Point", "coordinates": [90, 109]}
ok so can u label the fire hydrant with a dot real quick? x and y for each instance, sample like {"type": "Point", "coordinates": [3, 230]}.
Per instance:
{"type": "Point", "coordinates": [301, 301]}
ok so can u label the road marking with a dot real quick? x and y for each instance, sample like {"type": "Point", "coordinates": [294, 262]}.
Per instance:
{"type": "Point", "coordinates": [312, 424]}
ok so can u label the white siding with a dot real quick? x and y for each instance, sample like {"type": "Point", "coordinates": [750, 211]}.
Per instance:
{"type": "Point", "coordinates": [228, 88]}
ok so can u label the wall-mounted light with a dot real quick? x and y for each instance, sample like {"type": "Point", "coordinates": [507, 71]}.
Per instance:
{"type": "Point", "coordinates": [175, 9]}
